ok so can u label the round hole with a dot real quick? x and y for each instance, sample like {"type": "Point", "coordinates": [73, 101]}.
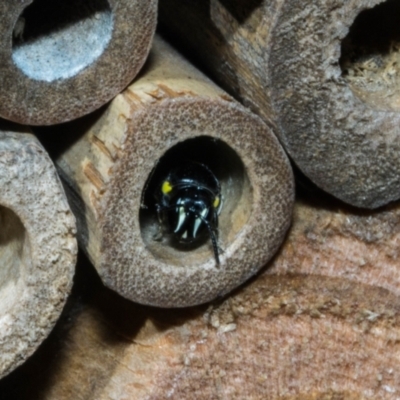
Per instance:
{"type": "Point", "coordinates": [370, 56]}
{"type": "Point", "coordinates": [13, 249]}
{"type": "Point", "coordinates": [228, 168]}
{"type": "Point", "coordinates": [57, 39]}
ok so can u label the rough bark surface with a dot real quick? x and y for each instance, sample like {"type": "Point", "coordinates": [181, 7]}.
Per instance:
{"type": "Point", "coordinates": [282, 336]}
{"type": "Point", "coordinates": [107, 168]}
{"type": "Point", "coordinates": [37, 246]}
{"type": "Point", "coordinates": [289, 61]}
{"type": "Point", "coordinates": [89, 51]}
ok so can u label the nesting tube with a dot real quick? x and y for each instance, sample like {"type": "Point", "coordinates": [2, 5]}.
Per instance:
{"type": "Point", "coordinates": [172, 114]}
{"type": "Point", "coordinates": [37, 246]}
{"type": "Point", "coordinates": [325, 76]}
{"type": "Point", "coordinates": [61, 60]}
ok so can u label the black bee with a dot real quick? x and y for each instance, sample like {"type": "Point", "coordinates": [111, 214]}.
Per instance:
{"type": "Point", "coordinates": [188, 204]}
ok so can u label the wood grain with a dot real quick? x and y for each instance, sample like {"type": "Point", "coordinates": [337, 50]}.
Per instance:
{"type": "Point", "coordinates": [314, 336]}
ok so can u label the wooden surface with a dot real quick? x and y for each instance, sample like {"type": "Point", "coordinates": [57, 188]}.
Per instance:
{"type": "Point", "coordinates": [331, 97]}
{"type": "Point", "coordinates": [321, 320]}
{"type": "Point", "coordinates": [173, 110]}
{"type": "Point", "coordinates": [37, 246]}
{"type": "Point", "coordinates": [330, 332]}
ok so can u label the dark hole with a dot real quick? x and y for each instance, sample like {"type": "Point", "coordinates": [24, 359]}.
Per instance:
{"type": "Point", "coordinates": [374, 34]}
{"type": "Point", "coordinates": [241, 9]}
{"type": "Point", "coordinates": [57, 39]}
{"type": "Point", "coordinates": [43, 17]}
{"type": "Point", "coordinates": [219, 158]}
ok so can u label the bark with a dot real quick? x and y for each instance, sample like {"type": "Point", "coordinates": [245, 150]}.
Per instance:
{"type": "Point", "coordinates": [323, 73]}
{"type": "Point", "coordinates": [282, 336]}
{"type": "Point", "coordinates": [59, 62]}
{"type": "Point", "coordinates": [172, 110]}
{"type": "Point", "coordinates": [37, 246]}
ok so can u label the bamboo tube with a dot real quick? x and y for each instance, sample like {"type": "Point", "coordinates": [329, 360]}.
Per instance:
{"type": "Point", "coordinates": [171, 114]}
{"type": "Point", "coordinates": [61, 60]}
{"type": "Point", "coordinates": [324, 76]}
{"type": "Point", "coordinates": [37, 246]}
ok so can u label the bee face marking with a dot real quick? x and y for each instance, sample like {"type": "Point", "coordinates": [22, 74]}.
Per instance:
{"type": "Point", "coordinates": [166, 187]}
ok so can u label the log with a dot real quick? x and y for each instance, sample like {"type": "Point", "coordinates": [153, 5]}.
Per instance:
{"type": "Point", "coordinates": [323, 74]}
{"type": "Point", "coordinates": [338, 241]}
{"type": "Point", "coordinates": [59, 61]}
{"type": "Point", "coordinates": [37, 246]}
{"type": "Point", "coordinates": [170, 114]}
{"type": "Point", "coordinates": [281, 336]}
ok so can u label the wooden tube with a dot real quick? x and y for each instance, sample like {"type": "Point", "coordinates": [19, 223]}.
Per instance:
{"type": "Point", "coordinates": [173, 113]}
{"type": "Point", "coordinates": [37, 246]}
{"type": "Point", "coordinates": [61, 60]}
{"type": "Point", "coordinates": [324, 76]}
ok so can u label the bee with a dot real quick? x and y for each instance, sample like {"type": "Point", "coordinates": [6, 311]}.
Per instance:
{"type": "Point", "coordinates": [188, 203]}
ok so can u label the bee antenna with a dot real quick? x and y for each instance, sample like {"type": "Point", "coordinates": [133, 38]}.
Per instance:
{"type": "Point", "coordinates": [213, 237]}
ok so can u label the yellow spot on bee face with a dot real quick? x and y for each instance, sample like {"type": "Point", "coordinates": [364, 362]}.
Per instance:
{"type": "Point", "coordinates": [216, 202]}
{"type": "Point", "coordinates": [166, 187]}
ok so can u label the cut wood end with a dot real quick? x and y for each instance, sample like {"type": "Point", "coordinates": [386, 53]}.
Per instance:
{"type": "Point", "coordinates": [64, 78]}
{"type": "Point", "coordinates": [37, 247]}
{"type": "Point", "coordinates": [293, 335]}
{"type": "Point", "coordinates": [257, 185]}
{"type": "Point", "coordinates": [328, 93]}
{"type": "Point", "coordinates": [338, 241]}
{"type": "Point", "coordinates": [370, 56]}
{"type": "Point", "coordinates": [172, 113]}
{"type": "Point", "coordinates": [281, 338]}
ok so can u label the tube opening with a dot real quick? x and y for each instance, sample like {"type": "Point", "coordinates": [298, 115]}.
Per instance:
{"type": "Point", "coordinates": [227, 167]}
{"type": "Point", "coordinates": [57, 39]}
{"type": "Point", "coordinates": [13, 250]}
{"type": "Point", "coordinates": [370, 56]}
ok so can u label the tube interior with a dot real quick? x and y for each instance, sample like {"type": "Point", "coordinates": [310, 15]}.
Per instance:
{"type": "Point", "coordinates": [370, 56]}
{"type": "Point", "coordinates": [57, 39]}
{"type": "Point", "coordinates": [13, 250]}
{"type": "Point", "coordinates": [226, 165]}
